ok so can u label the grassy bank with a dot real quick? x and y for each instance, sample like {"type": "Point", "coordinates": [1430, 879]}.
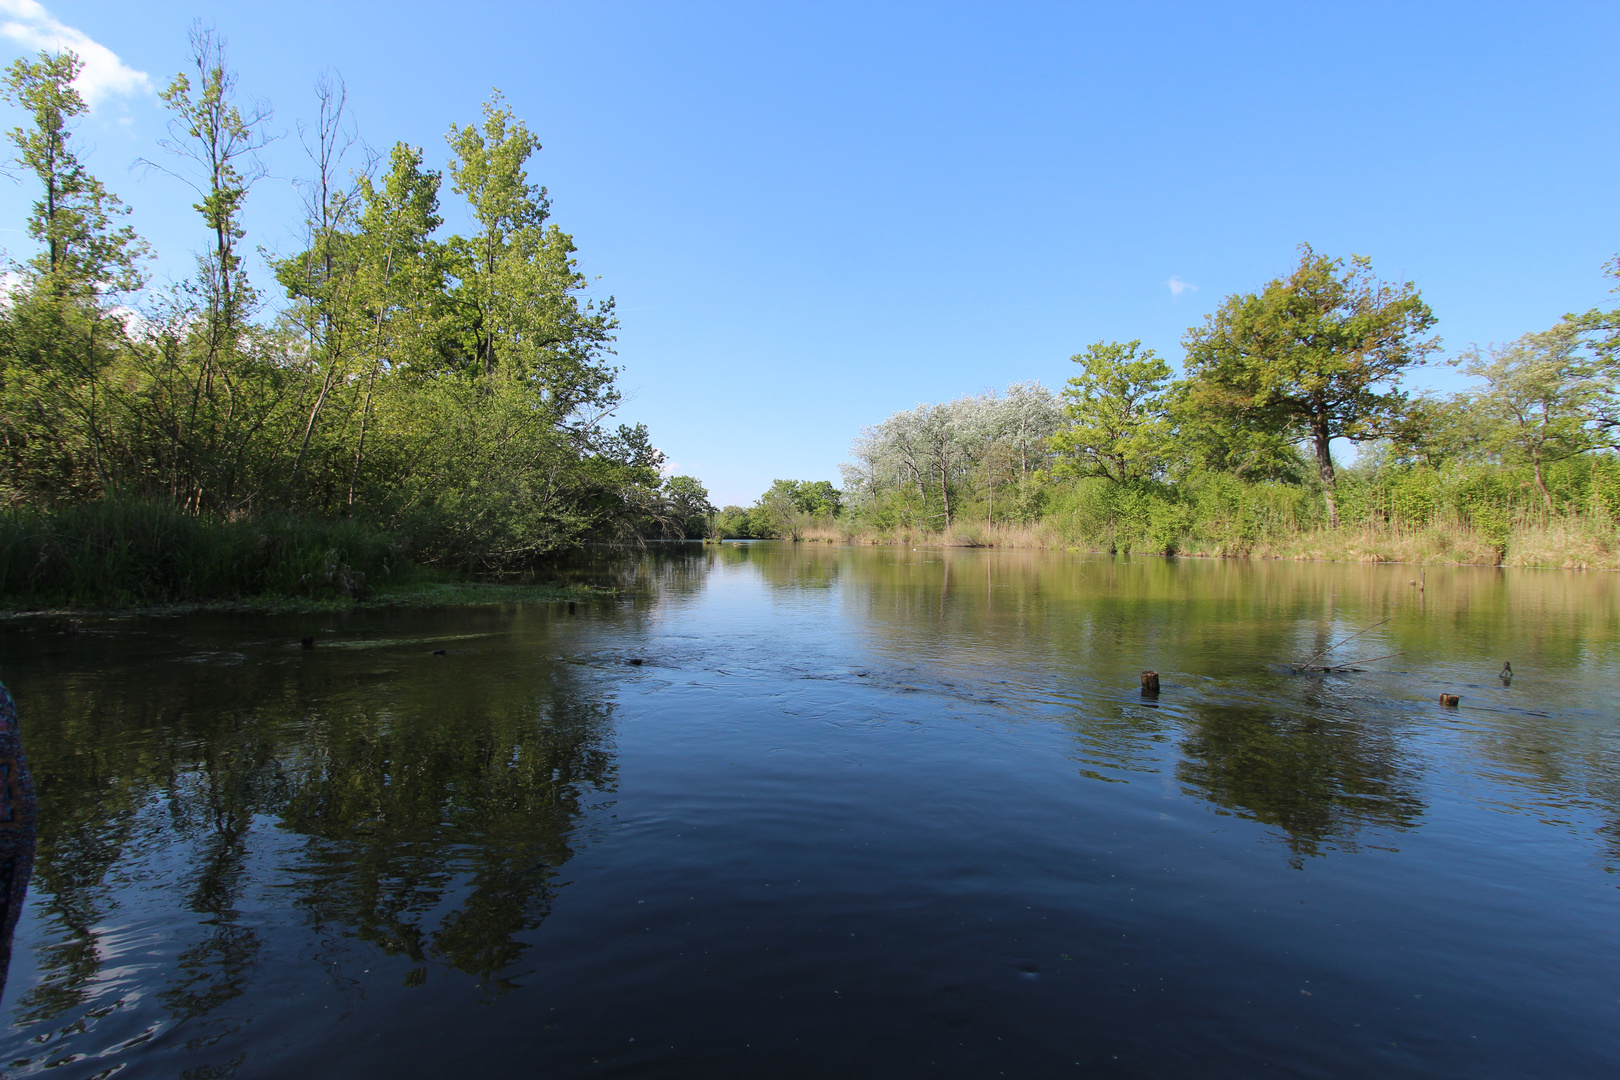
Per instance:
{"type": "Point", "coordinates": [1567, 543]}
{"type": "Point", "coordinates": [422, 594]}
{"type": "Point", "coordinates": [117, 554]}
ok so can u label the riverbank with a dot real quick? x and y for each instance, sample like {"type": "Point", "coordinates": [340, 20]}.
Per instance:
{"type": "Point", "coordinates": [424, 594]}
{"type": "Point", "coordinates": [151, 556]}
{"type": "Point", "coordinates": [1556, 544]}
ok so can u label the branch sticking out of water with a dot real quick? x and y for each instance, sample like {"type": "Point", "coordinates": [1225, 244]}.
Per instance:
{"type": "Point", "coordinates": [1349, 666]}
{"type": "Point", "coordinates": [1312, 665]}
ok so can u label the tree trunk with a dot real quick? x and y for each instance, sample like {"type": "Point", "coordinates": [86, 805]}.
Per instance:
{"type": "Point", "coordinates": [309, 428]}
{"type": "Point", "coordinates": [1324, 465]}
{"type": "Point", "coordinates": [360, 450]}
{"type": "Point", "coordinates": [1541, 484]}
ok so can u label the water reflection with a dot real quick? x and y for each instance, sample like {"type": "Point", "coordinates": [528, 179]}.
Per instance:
{"type": "Point", "coordinates": [1322, 760]}
{"type": "Point", "coordinates": [389, 799]}
{"type": "Point", "coordinates": [818, 743]}
{"type": "Point", "coordinates": [406, 812]}
{"type": "Point", "coordinates": [1320, 782]}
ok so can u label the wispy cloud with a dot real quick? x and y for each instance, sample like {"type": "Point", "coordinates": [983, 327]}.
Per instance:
{"type": "Point", "coordinates": [1177, 286]}
{"type": "Point", "coordinates": [29, 25]}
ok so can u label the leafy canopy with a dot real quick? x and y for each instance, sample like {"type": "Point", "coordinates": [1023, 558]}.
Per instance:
{"type": "Point", "coordinates": [1116, 408]}
{"type": "Point", "coordinates": [1315, 355]}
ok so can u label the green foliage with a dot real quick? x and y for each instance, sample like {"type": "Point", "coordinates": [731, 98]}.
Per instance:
{"type": "Point", "coordinates": [790, 505]}
{"type": "Point", "coordinates": [689, 511]}
{"type": "Point", "coordinates": [452, 389]}
{"type": "Point", "coordinates": [740, 523]}
{"type": "Point", "coordinates": [82, 252]}
{"type": "Point", "coordinates": [1544, 398]}
{"type": "Point", "coordinates": [1118, 427]}
{"type": "Point", "coordinates": [1314, 356]}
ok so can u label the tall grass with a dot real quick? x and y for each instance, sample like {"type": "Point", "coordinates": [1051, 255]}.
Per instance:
{"type": "Point", "coordinates": [118, 552]}
{"type": "Point", "coordinates": [1566, 541]}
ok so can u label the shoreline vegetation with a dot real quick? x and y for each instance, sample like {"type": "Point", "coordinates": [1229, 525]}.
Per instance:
{"type": "Point", "coordinates": [153, 558]}
{"type": "Point", "coordinates": [426, 594]}
{"type": "Point", "coordinates": [1551, 546]}
{"type": "Point", "coordinates": [1236, 456]}
{"type": "Point", "coordinates": [404, 407]}
{"type": "Point", "coordinates": [412, 414]}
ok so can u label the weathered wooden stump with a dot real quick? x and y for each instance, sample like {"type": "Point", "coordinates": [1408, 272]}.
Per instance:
{"type": "Point", "coordinates": [571, 607]}
{"type": "Point", "coordinates": [308, 642]}
{"type": "Point", "coordinates": [1150, 684]}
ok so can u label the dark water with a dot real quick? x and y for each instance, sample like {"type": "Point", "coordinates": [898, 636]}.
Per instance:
{"type": "Point", "coordinates": [858, 813]}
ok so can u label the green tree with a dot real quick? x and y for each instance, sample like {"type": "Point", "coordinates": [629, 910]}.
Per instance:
{"type": "Point", "coordinates": [1544, 394]}
{"type": "Point", "coordinates": [403, 290]}
{"type": "Point", "coordinates": [210, 130]}
{"type": "Point", "coordinates": [689, 506]}
{"type": "Point", "coordinates": [60, 336]}
{"type": "Point", "coordinates": [83, 251]}
{"type": "Point", "coordinates": [1313, 356]}
{"type": "Point", "coordinates": [519, 285]}
{"type": "Point", "coordinates": [818, 498]}
{"type": "Point", "coordinates": [322, 281]}
{"type": "Point", "coordinates": [1117, 413]}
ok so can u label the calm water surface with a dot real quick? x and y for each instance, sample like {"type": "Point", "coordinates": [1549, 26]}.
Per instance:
{"type": "Point", "coordinates": [856, 812]}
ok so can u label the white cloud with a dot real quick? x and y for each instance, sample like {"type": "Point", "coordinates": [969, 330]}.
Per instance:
{"type": "Point", "coordinates": [1177, 286]}
{"type": "Point", "coordinates": [104, 75]}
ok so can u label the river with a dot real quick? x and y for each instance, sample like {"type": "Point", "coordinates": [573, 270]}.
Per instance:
{"type": "Point", "coordinates": [800, 810]}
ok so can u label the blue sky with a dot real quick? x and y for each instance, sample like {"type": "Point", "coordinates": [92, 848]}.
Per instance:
{"type": "Point", "coordinates": [814, 215]}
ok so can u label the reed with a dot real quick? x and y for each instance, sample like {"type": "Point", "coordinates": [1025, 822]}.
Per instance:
{"type": "Point", "coordinates": [121, 552]}
{"type": "Point", "coordinates": [1570, 542]}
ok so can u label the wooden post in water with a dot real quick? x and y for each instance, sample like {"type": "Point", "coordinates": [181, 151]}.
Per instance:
{"type": "Point", "coordinates": [1449, 700]}
{"type": "Point", "coordinates": [1150, 684]}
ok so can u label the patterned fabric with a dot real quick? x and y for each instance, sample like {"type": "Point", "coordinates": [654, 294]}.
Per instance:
{"type": "Point", "coordinates": [17, 815]}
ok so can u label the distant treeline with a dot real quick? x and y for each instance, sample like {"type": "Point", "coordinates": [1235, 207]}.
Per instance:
{"type": "Point", "coordinates": [449, 392]}
{"type": "Point", "coordinates": [1235, 456]}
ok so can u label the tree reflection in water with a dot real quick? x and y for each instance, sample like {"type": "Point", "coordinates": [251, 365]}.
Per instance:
{"type": "Point", "coordinates": [1321, 782]}
{"type": "Point", "coordinates": [218, 834]}
{"type": "Point", "coordinates": [425, 814]}
{"type": "Point", "coordinates": [405, 815]}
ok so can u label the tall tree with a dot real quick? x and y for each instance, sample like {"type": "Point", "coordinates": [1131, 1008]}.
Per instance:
{"type": "Point", "coordinates": [1315, 355]}
{"type": "Point", "coordinates": [1117, 413]}
{"type": "Point", "coordinates": [690, 510]}
{"type": "Point", "coordinates": [82, 249]}
{"type": "Point", "coordinates": [62, 333]}
{"type": "Point", "coordinates": [322, 280]}
{"type": "Point", "coordinates": [519, 284]}
{"type": "Point", "coordinates": [402, 272]}
{"type": "Point", "coordinates": [1545, 396]}
{"type": "Point", "coordinates": [212, 131]}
